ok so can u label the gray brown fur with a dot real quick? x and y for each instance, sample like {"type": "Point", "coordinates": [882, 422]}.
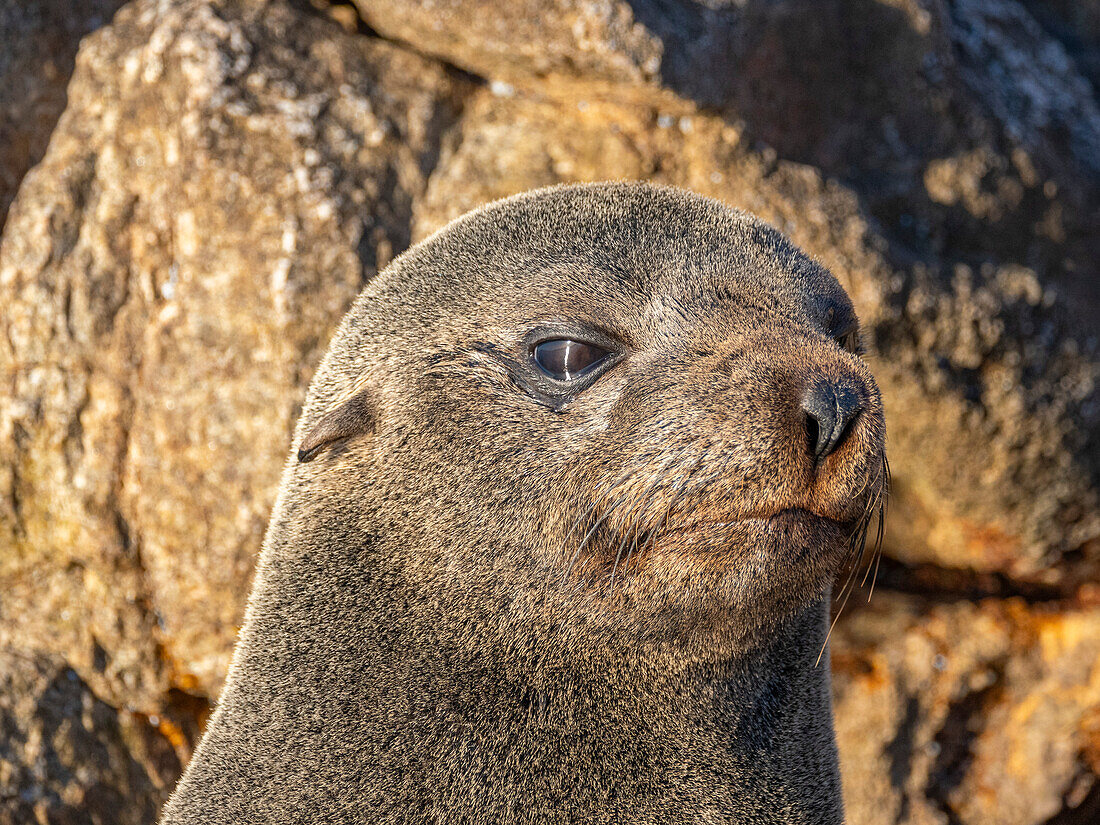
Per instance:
{"type": "Point", "coordinates": [429, 641]}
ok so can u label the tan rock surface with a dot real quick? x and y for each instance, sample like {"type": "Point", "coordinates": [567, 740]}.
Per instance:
{"type": "Point", "coordinates": [969, 712]}
{"type": "Point", "coordinates": [224, 181]}
{"type": "Point", "coordinates": [525, 39]}
{"type": "Point", "coordinates": [883, 94]}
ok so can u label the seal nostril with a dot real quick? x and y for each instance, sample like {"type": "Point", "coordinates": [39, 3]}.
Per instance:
{"type": "Point", "coordinates": [831, 409]}
{"type": "Point", "coordinates": [813, 430]}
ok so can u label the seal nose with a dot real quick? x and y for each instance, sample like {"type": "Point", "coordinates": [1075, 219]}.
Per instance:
{"type": "Point", "coordinates": [830, 408]}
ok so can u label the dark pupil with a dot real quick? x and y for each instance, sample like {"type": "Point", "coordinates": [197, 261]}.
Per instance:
{"type": "Point", "coordinates": [565, 359]}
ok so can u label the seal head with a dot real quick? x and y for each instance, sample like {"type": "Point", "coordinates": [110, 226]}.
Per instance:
{"type": "Point", "coordinates": [591, 456]}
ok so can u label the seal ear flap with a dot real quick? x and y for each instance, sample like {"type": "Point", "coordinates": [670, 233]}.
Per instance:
{"type": "Point", "coordinates": [352, 417]}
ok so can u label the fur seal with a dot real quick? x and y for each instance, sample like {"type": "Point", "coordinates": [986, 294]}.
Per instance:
{"type": "Point", "coordinates": [556, 540]}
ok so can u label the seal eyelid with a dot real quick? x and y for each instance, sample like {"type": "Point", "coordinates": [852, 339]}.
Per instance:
{"type": "Point", "coordinates": [843, 327]}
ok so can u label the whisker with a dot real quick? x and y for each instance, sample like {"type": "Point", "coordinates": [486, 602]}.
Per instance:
{"type": "Point", "coordinates": [629, 553]}
{"type": "Point", "coordinates": [847, 588]}
{"type": "Point", "coordinates": [870, 512]}
{"type": "Point", "coordinates": [649, 537]}
{"type": "Point", "coordinates": [825, 644]}
{"type": "Point", "coordinates": [588, 535]}
{"type": "Point", "coordinates": [874, 578]}
{"type": "Point", "coordinates": [596, 526]}
{"type": "Point", "coordinates": [677, 491]}
{"type": "Point", "coordinates": [644, 500]}
{"type": "Point", "coordinates": [858, 538]}
{"type": "Point", "coordinates": [587, 514]}
{"type": "Point", "coordinates": [885, 495]}
{"type": "Point", "coordinates": [615, 567]}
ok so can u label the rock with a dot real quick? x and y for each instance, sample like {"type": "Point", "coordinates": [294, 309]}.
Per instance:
{"type": "Point", "coordinates": [961, 126]}
{"type": "Point", "coordinates": [1027, 80]}
{"type": "Point", "coordinates": [969, 713]}
{"type": "Point", "coordinates": [225, 179]}
{"type": "Point", "coordinates": [38, 43]}
{"type": "Point", "coordinates": [67, 756]}
{"type": "Point", "coordinates": [1076, 24]}
{"type": "Point", "coordinates": [601, 39]}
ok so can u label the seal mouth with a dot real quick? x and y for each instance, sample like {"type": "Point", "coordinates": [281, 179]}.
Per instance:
{"type": "Point", "coordinates": [706, 536]}
{"type": "Point", "coordinates": [779, 519]}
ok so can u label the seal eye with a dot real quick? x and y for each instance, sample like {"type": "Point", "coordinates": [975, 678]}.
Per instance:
{"type": "Point", "coordinates": [564, 359]}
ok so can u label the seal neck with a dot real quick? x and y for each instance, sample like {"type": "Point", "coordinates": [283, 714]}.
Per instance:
{"type": "Point", "coordinates": [368, 703]}
{"type": "Point", "coordinates": [749, 737]}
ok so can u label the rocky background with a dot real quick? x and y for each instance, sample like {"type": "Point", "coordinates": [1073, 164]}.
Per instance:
{"type": "Point", "coordinates": [217, 180]}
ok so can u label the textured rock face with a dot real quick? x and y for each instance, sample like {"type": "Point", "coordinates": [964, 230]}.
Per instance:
{"type": "Point", "coordinates": [222, 185]}
{"type": "Point", "coordinates": [67, 756]}
{"type": "Point", "coordinates": [959, 123]}
{"type": "Point", "coordinates": [38, 43]}
{"type": "Point", "coordinates": [1076, 25]}
{"type": "Point", "coordinates": [229, 173]}
{"type": "Point", "coordinates": [526, 39]}
{"type": "Point", "coordinates": [965, 712]}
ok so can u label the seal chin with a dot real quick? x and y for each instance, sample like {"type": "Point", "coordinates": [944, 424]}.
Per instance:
{"type": "Point", "coordinates": [799, 531]}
